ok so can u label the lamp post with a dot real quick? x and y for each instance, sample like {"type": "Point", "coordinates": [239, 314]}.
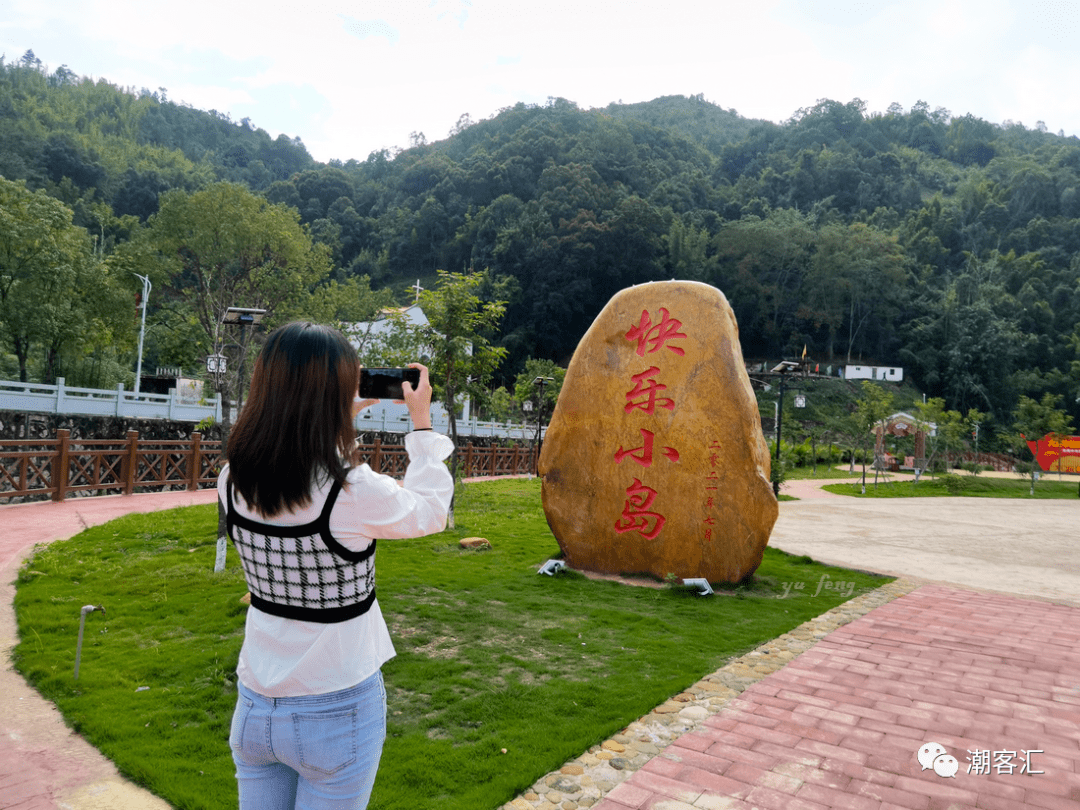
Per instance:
{"type": "Point", "coordinates": [146, 287]}
{"type": "Point", "coordinates": [542, 382]}
{"type": "Point", "coordinates": [239, 316]}
{"type": "Point", "coordinates": [782, 369]}
{"type": "Point", "coordinates": [526, 408]}
{"type": "Point", "coordinates": [216, 365]}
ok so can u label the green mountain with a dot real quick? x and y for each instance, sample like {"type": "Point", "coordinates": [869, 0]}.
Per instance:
{"type": "Point", "coordinates": [942, 243]}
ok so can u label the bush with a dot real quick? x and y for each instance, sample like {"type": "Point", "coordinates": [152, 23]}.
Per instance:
{"type": "Point", "coordinates": [802, 453]}
{"type": "Point", "coordinates": [953, 483]}
{"type": "Point", "coordinates": [778, 472]}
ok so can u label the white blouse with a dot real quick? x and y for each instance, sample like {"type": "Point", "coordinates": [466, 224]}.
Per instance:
{"type": "Point", "coordinates": [285, 657]}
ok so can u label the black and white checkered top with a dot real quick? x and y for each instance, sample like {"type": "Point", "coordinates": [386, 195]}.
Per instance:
{"type": "Point", "coordinates": [302, 572]}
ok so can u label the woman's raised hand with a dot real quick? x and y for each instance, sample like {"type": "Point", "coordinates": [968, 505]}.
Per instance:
{"type": "Point", "coordinates": [418, 401]}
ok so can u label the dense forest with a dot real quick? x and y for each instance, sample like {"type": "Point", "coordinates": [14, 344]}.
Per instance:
{"type": "Point", "coordinates": [921, 238]}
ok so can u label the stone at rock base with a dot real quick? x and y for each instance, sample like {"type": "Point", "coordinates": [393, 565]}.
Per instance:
{"type": "Point", "coordinates": [474, 543]}
{"type": "Point", "coordinates": [654, 461]}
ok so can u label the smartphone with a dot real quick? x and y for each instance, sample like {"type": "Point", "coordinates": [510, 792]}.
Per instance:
{"type": "Point", "coordinates": [385, 383]}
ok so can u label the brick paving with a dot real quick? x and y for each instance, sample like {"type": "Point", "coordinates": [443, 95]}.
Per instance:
{"type": "Point", "coordinates": [43, 764]}
{"type": "Point", "coordinates": [841, 725]}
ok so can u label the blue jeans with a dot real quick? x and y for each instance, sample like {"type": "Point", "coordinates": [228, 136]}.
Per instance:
{"type": "Point", "coordinates": [317, 752]}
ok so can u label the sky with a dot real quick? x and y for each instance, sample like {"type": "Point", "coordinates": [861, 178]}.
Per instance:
{"type": "Point", "coordinates": [350, 78]}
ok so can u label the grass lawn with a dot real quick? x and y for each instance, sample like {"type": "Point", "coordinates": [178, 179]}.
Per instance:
{"type": "Point", "coordinates": [823, 471]}
{"type": "Point", "coordinates": [491, 656]}
{"type": "Point", "coordinates": [971, 486]}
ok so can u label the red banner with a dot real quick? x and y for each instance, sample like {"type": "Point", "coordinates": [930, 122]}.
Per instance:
{"type": "Point", "coordinates": [1057, 453]}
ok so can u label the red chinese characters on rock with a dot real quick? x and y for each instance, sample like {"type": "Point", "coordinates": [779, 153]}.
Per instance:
{"type": "Point", "coordinates": [644, 397]}
{"type": "Point", "coordinates": [636, 515]}
{"type": "Point", "coordinates": [645, 383]}
{"type": "Point", "coordinates": [656, 337]}
{"type": "Point", "coordinates": [645, 456]}
{"type": "Point", "coordinates": [712, 484]}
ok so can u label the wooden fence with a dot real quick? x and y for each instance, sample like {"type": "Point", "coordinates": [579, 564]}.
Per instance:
{"type": "Point", "coordinates": [54, 468]}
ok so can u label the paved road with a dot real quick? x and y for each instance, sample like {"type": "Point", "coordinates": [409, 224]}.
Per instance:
{"type": "Point", "coordinates": [1025, 548]}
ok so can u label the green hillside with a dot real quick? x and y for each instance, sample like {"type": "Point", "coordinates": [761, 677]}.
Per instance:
{"type": "Point", "coordinates": [921, 238]}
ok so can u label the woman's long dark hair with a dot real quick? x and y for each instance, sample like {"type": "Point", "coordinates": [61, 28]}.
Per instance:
{"type": "Point", "coordinates": [297, 421]}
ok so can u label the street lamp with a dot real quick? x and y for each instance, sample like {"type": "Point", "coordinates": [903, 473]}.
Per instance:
{"type": "Point", "coordinates": [526, 409]}
{"type": "Point", "coordinates": [542, 382]}
{"type": "Point", "coordinates": [241, 316]}
{"type": "Point", "coordinates": [146, 287]}
{"type": "Point", "coordinates": [782, 369]}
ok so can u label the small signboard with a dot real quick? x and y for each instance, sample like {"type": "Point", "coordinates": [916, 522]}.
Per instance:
{"type": "Point", "coordinates": [215, 364]}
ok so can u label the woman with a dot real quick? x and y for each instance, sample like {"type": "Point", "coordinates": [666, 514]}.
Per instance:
{"type": "Point", "coordinates": [310, 719]}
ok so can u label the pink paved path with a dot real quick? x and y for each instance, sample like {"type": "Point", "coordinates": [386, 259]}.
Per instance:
{"type": "Point", "coordinates": [44, 765]}
{"type": "Point", "coordinates": [841, 725]}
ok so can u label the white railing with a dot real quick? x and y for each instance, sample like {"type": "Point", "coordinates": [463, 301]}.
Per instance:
{"type": "Point", "coordinates": [383, 421]}
{"type": "Point", "coordinates": [60, 398]}
{"type": "Point", "coordinates": [23, 397]}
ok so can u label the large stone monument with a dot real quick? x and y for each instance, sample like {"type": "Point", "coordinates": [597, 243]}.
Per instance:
{"type": "Point", "coordinates": [654, 461]}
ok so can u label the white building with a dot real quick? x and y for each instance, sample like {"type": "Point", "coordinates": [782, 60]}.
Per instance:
{"type": "Point", "coordinates": [886, 373]}
{"type": "Point", "coordinates": [387, 411]}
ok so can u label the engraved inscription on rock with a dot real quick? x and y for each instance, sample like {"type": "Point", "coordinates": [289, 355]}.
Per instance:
{"type": "Point", "coordinates": [654, 460]}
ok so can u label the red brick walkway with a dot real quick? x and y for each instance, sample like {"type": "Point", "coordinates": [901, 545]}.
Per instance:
{"type": "Point", "coordinates": [842, 724]}
{"type": "Point", "coordinates": [43, 764]}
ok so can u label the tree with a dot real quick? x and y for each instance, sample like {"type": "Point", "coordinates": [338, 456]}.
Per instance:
{"type": "Point", "coordinates": [854, 284]}
{"type": "Point", "coordinates": [817, 433]}
{"type": "Point", "coordinates": [455, 344]}
{"type": "Point", "coordinates": [46, 271]}
{"type": "Point", "coordinates": [929, 415]}
{"type": "Point", "coordinates": [226, 247]}
{"type": "Point", "coordinates": [760, 265]}
{"type": "Point", "coordinates": [687, 249]}
{"type": "Point", "coordinates": [975, 420]}
{"type": "Point", "coordinates": [500, 406]}
{"type": "Point", "coordinates": [545, 395]}
{"type": "Point", "coordinates": [524, 387]}
{"type": "Point", "coordinates": [458, 336]}
{"type": "Point", "coordinates": [951, 427]}
{"type": "Point", "coordinates": [343, 304]}
{"type": "Point", "coordinates": [1033, 420]}
{"type": "Point", "coordinates": [871, 411]}
{"type": "Point", "coordinates": [848, 434]}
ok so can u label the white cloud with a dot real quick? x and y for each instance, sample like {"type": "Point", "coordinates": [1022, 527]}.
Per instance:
{"type": "Point", "coordinates": [371, 28]}
{"type": "Point", "coordinates": [350, 77]}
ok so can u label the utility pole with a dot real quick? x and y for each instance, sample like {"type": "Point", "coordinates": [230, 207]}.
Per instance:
{"type": "Point", "coordinates": [147, 286]}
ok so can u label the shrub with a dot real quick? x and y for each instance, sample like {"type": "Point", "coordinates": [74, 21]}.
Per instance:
{"type": "Point", "coordinates": [953, 483]}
